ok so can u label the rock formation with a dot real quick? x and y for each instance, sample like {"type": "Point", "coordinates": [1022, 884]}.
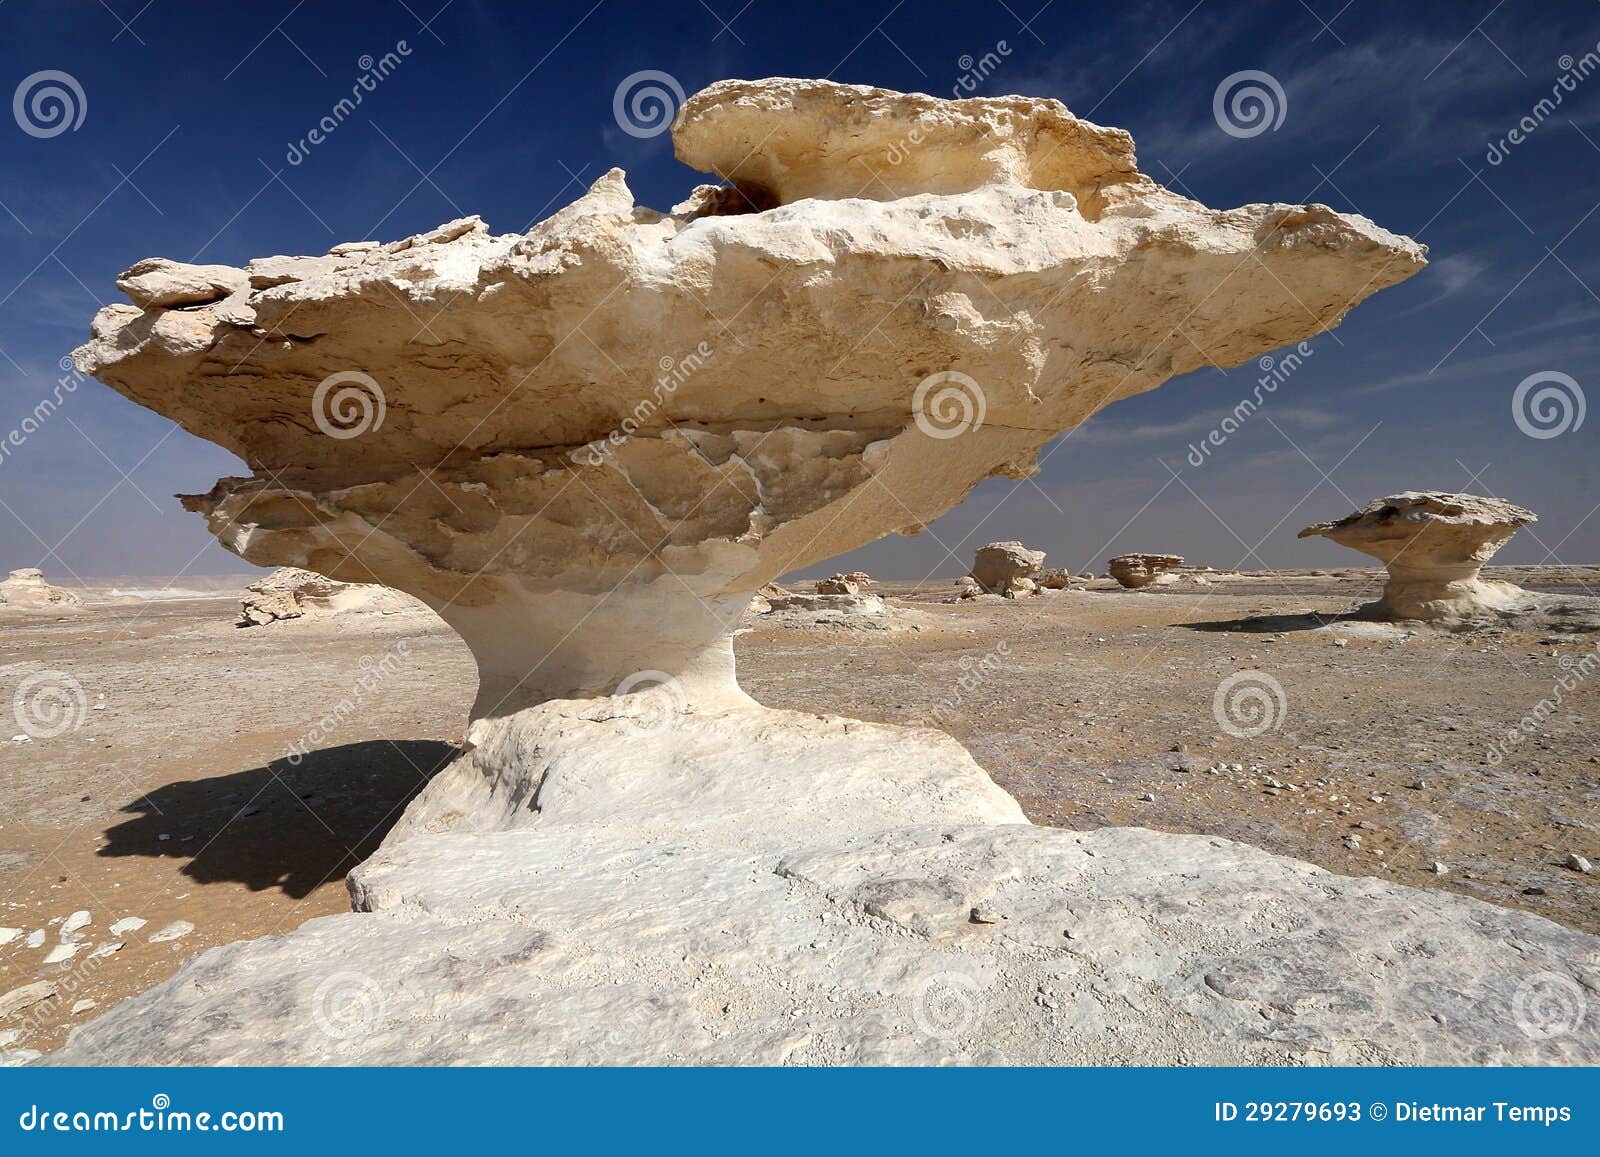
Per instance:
{"type": "Point", "coordinates": [587, 446]}
{"type": "Point", "coordinates": [290, 593]}
{"type": "Point", "coordinates": [1058, 579]}
{"type": "Point", "coordinates": [1434, 544]}
{"type": "Point", "coordinates": [1006, 568]}
{"type": "Point", "coordinates": [844, 584]}
{"type": "Point", "coordinates": [1141, 570]}
{"type": "Point", "coordinates": [26, 588]}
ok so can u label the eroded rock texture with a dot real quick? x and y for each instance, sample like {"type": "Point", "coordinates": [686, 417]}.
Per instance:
{"type": "Point", "coordinates": [292, 593]}
{"type": "Point", "coordinates": [1434, 544]}
{"type": "Point", "coordinates": [26, 588]}
{"type": "Point", "coordinates": [672, 874]}
{"type": "Point", "coordinates": [1006, 568]}
{"type": "Point", "coordinates": [586, 445]}
{"type": "Point", "coordinates": [1141, 570]}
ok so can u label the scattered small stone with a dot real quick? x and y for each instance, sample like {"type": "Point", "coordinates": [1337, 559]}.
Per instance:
{"type": "Point", "coordinates": [1579, 864]}
{"type": "Point", "coordinates": [62, 952]}
{"type": "Point", "coordinates": [22, 739]}
{"type": "Point", "coordinates": [1420, 785]}
{"type": "Point", "coordinates": [1147, 798]}
{"type": "Point", "coordinates": [982, 915]}
{"type": "Point", "coordinates": [127, 924]}
{"type": "Point", "coordinates": [7, 935]}
{"type": "Point", "coordinates": [83, 1006]}
{"type": "Point", "coordinates": [1533, 892]}
{"type": "Point", "coordinates": [1440, 868]}
{"type": "Point", "coordinates": [106, 949]}
{"type": "Point", "coordinates": [77, 920]}
{"type": "Point", "coordinates": [26, 997]}
{"type": "Point", "coordinates": [172, 931]}
{"type": "Point", "coordinates": [35, 938]}
{"type": "Point", "coordinates": [1375, 798]}
{"type": "Point", "coordinates": [1341, 642]}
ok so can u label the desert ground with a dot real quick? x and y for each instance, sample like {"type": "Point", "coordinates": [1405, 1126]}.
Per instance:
{"type": "Point", "coordinates": [178, 801]}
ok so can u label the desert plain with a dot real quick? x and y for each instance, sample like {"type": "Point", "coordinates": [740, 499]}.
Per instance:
{"type": "Point", "coordinates": [227, 778]}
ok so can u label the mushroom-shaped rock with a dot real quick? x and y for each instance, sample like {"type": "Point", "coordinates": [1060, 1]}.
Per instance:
{"type": "Point", "coordinates": [1141, 570]}
{"type": "Point", "coordinates": [26, 588]}
{"type": "Point", "coordinates": [587, 445]}
{"type": "Point", "coordinates": [1006, 568]}
{"type": "Point", "coordinates": [1434, 544]}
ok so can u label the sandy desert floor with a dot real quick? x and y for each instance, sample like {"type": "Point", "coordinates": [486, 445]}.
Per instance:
{"type": "Point", "coordinates": [175, 799]}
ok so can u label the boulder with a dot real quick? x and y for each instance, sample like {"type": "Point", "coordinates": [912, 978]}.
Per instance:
{"type": "Point", "coordinates": [1006, 568]}
{"type": "Point", "coordinates": [292, 593]}
{"type": "Point", "coordinates": [844, 584]}
{"type": "Point", "coordinates": [1141, 570]}
{"type": "Point", "coordinates": [26, 589]}
{"type": "Point", "coordinates": [1434, 545]}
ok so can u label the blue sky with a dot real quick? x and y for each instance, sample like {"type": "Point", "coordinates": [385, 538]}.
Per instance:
{"type": "Point", "coordinates": [505, 110]}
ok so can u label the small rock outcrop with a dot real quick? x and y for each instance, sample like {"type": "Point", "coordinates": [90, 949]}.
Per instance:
{"type": "Point", "coordinates": [844, 584]}
{"type": "Point", "coordinates": [26, 588]}
{"type": "Point", "coordinates": [1434, 544]}
{"type": "Point", "coordinates": [1141, 570]}
{"type": "Point", "coordinates": [1006, 568]}
{"type": "Point", "coordinates": [1059, 579]}
{"type": "Point", "coordinates": [292, 593]}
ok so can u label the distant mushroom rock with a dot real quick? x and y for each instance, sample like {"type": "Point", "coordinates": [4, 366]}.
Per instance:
{"type": "Point", "coordinates": [291, 593]}
{"type": "Point", "coordinates": [1434, 544]}
{"type": "Point", "coordinates": [1006, 568]}
{"type": "Point", "coordinates": [25, 588]}
{"type": "Point", "coordinates": [1141, 570]}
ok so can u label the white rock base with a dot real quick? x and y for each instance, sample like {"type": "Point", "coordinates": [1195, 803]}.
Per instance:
{"type": "Point", "coordinates": [763, 887]}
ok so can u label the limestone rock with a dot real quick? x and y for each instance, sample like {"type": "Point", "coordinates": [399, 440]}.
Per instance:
{"type": "Point", "coordinates": [844, 584]}
{"type": "Point", "coordinates": [1006, 568]}
{"type": "Point", "coordinates": [290, 593]}
{"type": "Point", "coordinates": [583, 510]}
{"type": "Point", "coordinates": [26, 588]}
{"type": "Point", "coordinates": [1141, 570]}
{"type": "Point", "coordinates": [156, 283]}
{"type": "Point", "coordinates": [852, 611]}
{"type": "Point", "coordinates": [1059, 579]}
{"type": "Point", "coordinates": [633, 861]}
{"type": "Point", "coordinates": [1434, 544]}
{"type": "Point", "coordinates": [582, 897]}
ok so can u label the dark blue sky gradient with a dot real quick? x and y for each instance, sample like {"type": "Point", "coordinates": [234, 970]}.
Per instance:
{"type": "Point", "coordinates": [505, 110]}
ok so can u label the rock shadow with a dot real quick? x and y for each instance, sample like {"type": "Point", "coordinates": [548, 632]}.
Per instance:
{"type": "Point", "coordinates": [1274, 624]}
{"type": "Point", "coordinates": [286, 825]}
